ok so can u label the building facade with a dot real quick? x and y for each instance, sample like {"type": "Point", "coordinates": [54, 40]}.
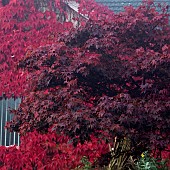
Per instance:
{"type": "Point", "coordinates": [118, 5]}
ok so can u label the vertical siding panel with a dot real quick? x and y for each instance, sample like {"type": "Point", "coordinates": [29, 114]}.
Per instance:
{"type": "Point", "coordinates": [8, 138]}
{"type": "Point", "coordinates": [14, 142]}
{"type": "Point", "coordinates": [1, 118]}
{"type": "Point", "coordinates": [17, 102]}
{"type": "Point", "coordinates": [9, 118]}
{"type": "Point", "coordinates": [6, 119]}
{"type": "Point", "coordinates": [12, 105]}
{"type": "Point", "coordinates": [3, 122]}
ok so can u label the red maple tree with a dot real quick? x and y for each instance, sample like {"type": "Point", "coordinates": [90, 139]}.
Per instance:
{"type": "Point", "coordinates": [108, 78]}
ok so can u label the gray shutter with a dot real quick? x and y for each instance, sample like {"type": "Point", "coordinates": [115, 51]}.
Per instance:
{"type": "Point", "coordinates": [8, 138]}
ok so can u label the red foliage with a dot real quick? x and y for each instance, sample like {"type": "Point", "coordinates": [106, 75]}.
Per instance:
{"type": "Point", "coordinates": [110, 75]}
{"type": "Point", "coordinates": [50, 151]}
{"type": "Point", "coordinates": [166, 154]}
{"type": "Point", "coordinates": [23, 27]}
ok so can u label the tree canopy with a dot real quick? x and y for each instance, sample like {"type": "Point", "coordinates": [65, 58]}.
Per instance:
{"type": "Point", "coordinates": [108, 78]}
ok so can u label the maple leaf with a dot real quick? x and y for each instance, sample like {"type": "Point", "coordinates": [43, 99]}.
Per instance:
{"type": "Point", "coordinates": [109, 77]}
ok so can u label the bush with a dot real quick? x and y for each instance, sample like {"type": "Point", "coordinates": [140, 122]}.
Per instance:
{"type": "Point", "coordinates": [108, 78]}
{"type": "Point", "coordinates": [147, 162]}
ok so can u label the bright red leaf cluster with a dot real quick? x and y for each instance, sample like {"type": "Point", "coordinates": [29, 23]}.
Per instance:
{"type": "Point", "coordinates": [50, 151]}
{"type": "Point", "coordinates": [24, 27]}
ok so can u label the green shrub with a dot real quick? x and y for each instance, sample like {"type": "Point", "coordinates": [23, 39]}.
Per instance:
{"type": "Point", "coordinates": [149, 163]}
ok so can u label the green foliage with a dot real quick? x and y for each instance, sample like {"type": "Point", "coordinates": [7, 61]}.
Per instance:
{"type": "Point", "coordinates": [149, 163]}
{"type": "Point", "coordinates": [86, 163]}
